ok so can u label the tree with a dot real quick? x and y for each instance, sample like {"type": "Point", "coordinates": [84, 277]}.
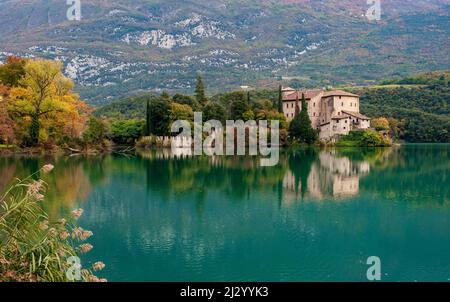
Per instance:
{"type": "Point", "coordinates": [300, 128]}
{"type": "Point", "coordinates": [44, 97]}
{"type": "Point", "coordinates": [147, 120]}
{"type": "Point", "coordinates": [186, 100]}
{"type": "Point", "coordinates": [159, 117]}
{"type": "Point", "coordinates": [214, 111]}
{"type": "Point", "coordinates": [371, 138]}
{"type": "Point", "coordinates": [6, 123]}
{"type": "Point", "coordinates": [165, 96]}
{"type": "Point", "coordinates": [200, 91]}
{"type": "Point", "coordinates": [181, 112]}
{"type": "Point", "coordinates": [126, 132]}
{"type": "Point", "coordinates": [263, 104]}
{"type": "Point", "coordinates": [280, 99]}
{"type": "Point", "coordinates": [397, 128]}
{"type": "Point", "coordinates": [248, 115]}
{"type": "Point", "coordinates": [95, 133]}
{"type": "Point", "coordinates": [380, 124]}
{"type": "Point", "coordinates": [239, 106]}
{"type": "Point", "coordinates": [12, 71]}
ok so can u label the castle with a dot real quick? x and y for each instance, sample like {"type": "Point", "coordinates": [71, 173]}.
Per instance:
{"type": "Point", "coordinates": [333, 112]}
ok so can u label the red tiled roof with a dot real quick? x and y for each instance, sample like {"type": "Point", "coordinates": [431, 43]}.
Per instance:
{"type": "Point", "coordinates": [340, 117]}
{"type": "Point", "coordinates": [309, 94]}
{"type": "Point", "coordinates": [338, 93]}
{"type": "Point", "coordinates": [357, 115]}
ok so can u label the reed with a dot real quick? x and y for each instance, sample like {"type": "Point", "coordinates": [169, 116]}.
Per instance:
{"type": "Point", "coordinates": [34, 248]}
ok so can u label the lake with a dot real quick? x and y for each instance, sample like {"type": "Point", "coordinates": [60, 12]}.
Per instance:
{"type": "Point", "coordinates": [316, 216]}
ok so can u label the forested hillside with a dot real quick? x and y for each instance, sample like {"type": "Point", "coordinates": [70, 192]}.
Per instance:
{"type": "Point", "coordinates": [417, 106]}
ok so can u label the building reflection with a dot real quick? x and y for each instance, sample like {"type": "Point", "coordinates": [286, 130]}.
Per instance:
{"type": "Point", "coordinates": [328, 175]}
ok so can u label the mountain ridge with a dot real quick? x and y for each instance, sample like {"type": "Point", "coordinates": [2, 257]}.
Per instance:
{"type": "Point", "coordinates": [125, 46]}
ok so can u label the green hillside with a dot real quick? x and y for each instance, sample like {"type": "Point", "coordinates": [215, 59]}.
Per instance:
{"type": "Point", "coordinates": [421, 110]}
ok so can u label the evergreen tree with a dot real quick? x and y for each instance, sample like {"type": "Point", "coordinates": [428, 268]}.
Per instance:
{"type": "Point", "coordinates": [280, 99]}
{"type": "Point", "coordinates": [165, 96]}
{"type": "Point", "coordinates": [239, 107]}
{"type": "Point", "coordinates": [300, 128]}
{"type": "Point", "coordinates": [147, 120]}
{"type": "Point", "coordinates": [159, 119]}
{"type": "Point", "coordinates": [200, 91]}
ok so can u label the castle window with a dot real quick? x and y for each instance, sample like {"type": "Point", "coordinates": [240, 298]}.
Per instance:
{"type": "Point", "coordinates": [342, 104]}
{"type": "Point", "coordinates": [340, 97]}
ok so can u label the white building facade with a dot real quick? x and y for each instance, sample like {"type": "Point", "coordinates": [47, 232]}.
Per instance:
{"type": "Point", "coordinates": [333, 112]}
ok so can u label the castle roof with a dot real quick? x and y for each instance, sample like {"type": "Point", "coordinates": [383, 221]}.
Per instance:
{"type": "Point", "coordinates": [309, 94]}
{"type": "Point", "coordinates": [357, 115]}
{"type": "Point", "coordinates": [338, 93]}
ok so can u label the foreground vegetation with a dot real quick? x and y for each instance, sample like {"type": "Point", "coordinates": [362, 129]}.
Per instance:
{"type": "Point", "coordinates": [33, 248]}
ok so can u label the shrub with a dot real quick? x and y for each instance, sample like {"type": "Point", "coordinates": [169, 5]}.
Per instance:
{"type": "Point", "coordinates": [126, 132]}
{"type": "Point", "coordinates": [95, 132]}
{"type": "Point", "coordinates": [380, 124]}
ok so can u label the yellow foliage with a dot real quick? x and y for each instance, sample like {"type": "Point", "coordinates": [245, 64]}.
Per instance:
{"type": "Point", "coordinates": [44, 92]}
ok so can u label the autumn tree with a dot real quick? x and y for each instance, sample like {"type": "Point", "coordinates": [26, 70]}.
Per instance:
{"type": "Point", "coordinates": [380, 124]}
{"type": "Point", "coordinates": [12, 71]}
{"type": "Point", "coordinates": [6, 123]}
{"type": "Point", "coordinates": [44, 99]}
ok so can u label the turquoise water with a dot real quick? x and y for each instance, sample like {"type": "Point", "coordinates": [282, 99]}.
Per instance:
{"type": "Point", "coordinates": [317, 216]}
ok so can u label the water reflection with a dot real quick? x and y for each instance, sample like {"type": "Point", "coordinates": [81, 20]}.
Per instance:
{"type": "Point", "coordinates": [329, 175]}
{"type": "Point", "coordinates": [318, 215]}
{"type": "Point", "coordinates": [307, 175]}
{"type": "Point", "coordinates": [70, 182]}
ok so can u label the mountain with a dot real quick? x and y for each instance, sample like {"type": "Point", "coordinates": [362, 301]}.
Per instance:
{"type": "Point", "coordinates": [120, 47]}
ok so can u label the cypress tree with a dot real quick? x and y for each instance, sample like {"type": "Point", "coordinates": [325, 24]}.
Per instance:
{"type": "Point", "coordinates": [200, 91]}
{"type": "Point", "coordinates": [280, 99]}
{"type": "Point", "coordinates": [147, 120]}
{"type": "Point", "coordinates": [300, 128]}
